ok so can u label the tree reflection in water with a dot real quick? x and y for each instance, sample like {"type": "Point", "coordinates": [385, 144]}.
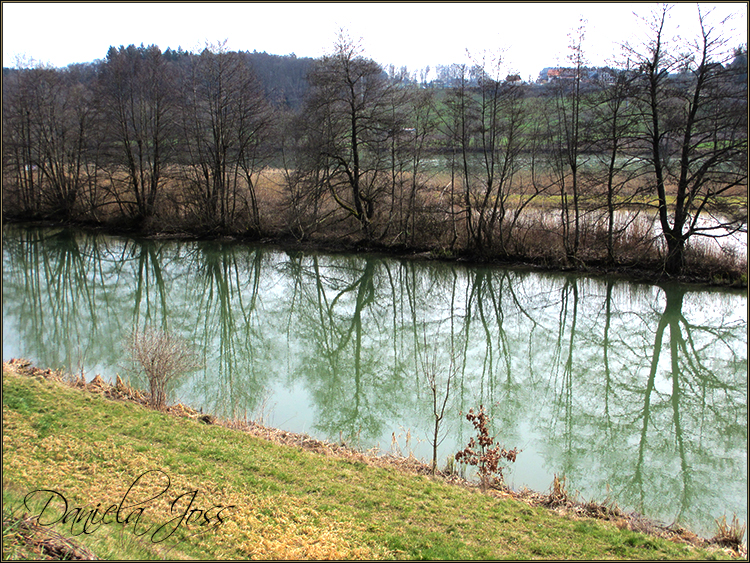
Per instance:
{"type": "Point", "coordinates": [634, 391]}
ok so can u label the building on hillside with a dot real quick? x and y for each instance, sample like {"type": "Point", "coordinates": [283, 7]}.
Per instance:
{"type": "Point", "coordinates": [563, 74]}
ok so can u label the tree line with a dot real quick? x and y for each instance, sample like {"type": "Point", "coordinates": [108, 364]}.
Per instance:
{"type": "Point", "coordinates": [624, 169]}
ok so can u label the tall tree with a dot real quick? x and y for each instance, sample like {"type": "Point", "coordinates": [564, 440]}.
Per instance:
{"type": "Point", "coordinates": [567, 130]}
{"type": "Point", "coordinates": [225, 124]}
{"type": "Point", "coordinates": [502, 114]}
{"type": "Point", "coordinates": [422, 124]}
{"type": "Point", "coordinates": [694, 114]}
{"type": "Point", "coordinates": [486, 125]}
{"type": "Point", "coordinates": [350, 123]}
{"type": "Point", "coordinates": [49, 117]}
{"type": "Point", "coordinates": [21, 175]}
{"type": "Point", "coordinates": [458, 128]}
{"type": "Point", "coordinates": [612, 137]}
{"type": "Point", "coordinates": [137, 93]}
{"type": "Point", "coordinates": [304, 175]}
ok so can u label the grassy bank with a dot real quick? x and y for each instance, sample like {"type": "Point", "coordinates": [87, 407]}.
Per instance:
{"type": "Point", "coordinates": [165, 486]}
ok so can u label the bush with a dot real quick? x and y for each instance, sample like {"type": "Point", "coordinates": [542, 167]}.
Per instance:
{"type": "Point", "coordinates": [163, 358]}
{"type": "Point", "coordinates": [489, 454]}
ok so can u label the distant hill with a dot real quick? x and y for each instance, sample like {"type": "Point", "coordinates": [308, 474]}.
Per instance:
{"type": "Point", "coordinates": [284, 77]}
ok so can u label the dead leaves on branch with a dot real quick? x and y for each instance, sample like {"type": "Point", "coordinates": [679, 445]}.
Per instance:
{"type": "Point", "coordinates": [483, 452]}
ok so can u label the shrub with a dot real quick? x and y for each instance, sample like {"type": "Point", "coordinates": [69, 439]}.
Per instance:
{"type": "Point", "coordinates": [163, 358]}
{"type": "Point", "coordinates": [488, 455]}
{"type": "Point", "coordinates": [729, 535]}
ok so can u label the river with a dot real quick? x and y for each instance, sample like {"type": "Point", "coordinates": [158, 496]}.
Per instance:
{"type": "Point", "coordinates": [636, 393]}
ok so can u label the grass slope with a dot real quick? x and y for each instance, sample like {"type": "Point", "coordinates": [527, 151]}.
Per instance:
{"type": "Point", "coordinates": [285, 502]}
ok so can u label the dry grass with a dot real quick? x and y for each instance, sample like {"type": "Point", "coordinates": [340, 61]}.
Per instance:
{"type": "Point", "coordinates": [558, 496]}
{"type": "Point", "coordinates": [35, 542]}
{"type": "Point", "coordinates": [716, 263]}
{"type": "Point", "coordinates": [561, 501]}
{"type": "Point", "coordinates": [730, 535]}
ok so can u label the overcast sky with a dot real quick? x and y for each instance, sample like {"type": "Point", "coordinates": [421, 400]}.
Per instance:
{"type": "Point", "coordinates": [533, 35]}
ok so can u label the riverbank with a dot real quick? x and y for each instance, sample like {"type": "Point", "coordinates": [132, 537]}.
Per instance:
{"type": "Point", "coordinates": [201, 487]}
{"type": "Point", "coordinates": [706, 269]}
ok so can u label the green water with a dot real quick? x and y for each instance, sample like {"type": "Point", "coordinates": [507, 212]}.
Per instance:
{"type": "Point", "coordinates": [636, 393]}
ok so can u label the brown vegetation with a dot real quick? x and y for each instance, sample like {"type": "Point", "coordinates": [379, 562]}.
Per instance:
{"type": "Point", "coordinates": [40, 542]}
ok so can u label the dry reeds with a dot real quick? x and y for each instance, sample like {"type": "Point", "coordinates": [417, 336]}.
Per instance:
{"type": "Point", "coordinates": [729, 535]}
{"type": "Point", "coordinates": [558, 496]}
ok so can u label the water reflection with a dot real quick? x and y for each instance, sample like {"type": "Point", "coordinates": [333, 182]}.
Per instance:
{"type": "Point", "coordinates": [633, 391]}
{"type": "Point", "coordinates": [219, 303]}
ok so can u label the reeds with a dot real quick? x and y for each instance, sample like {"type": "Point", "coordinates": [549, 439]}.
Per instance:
{"type": "Point", "coordinates": [729, 535]}
{"type": "Point", "coordinates": [558, 496]}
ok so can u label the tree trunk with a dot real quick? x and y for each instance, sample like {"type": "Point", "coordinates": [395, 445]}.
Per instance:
{"type": "Point", "coordinates": [675, 260]}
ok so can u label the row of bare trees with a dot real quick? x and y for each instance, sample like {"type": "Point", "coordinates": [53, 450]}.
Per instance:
{"type": "Point", "coordinates": [155, 139]}
{"type": "Point", "coordinates": [665, 136]}
{"type": "Point", "coordinates": [80, 140]}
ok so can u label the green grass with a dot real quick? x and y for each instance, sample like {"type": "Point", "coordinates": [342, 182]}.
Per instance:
{"type": "Point", "coordinates": [288, 503]}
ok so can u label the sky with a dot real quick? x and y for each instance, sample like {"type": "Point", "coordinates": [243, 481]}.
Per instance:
{"type": "Point", "coordinates": [529, 35]}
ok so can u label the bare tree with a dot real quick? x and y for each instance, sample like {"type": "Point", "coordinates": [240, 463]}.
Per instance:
{"type": "Point", "coordinates": [503, 117]}
{"type": "Point", "coordinates": [225, 124]}
{"type": "Point", "coordinates": [136, 88]}
{"type": "Point", "coordinates": [304, 175]}
{"type": "Point", "coordinates": [349, 124]}
{"type": "Point", "coordinates": [694, 114]}
{"type": "Point", "coordinates": [487, 127]}
{"type": "Point", "coordinates": [67, 145]}
{"type": "Point", "coordinates": [439, 383]}
{"type": "Point", "coordinates": [422, 123]}
{"type": "Point", "coordinates": [566, 132]}
{"type": "Point", "coordinates": [49, 117]}
{"type": "Point", "coordinates": [613, 136]}
{"type": "Point", "coordinates": [163, 358]}
{"type": "Point", "coordinates": [399, 137]}
{"type": "Point", "coordinates": [457, 128]}
{"type": "Point", "coordinates": [21, 174]}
